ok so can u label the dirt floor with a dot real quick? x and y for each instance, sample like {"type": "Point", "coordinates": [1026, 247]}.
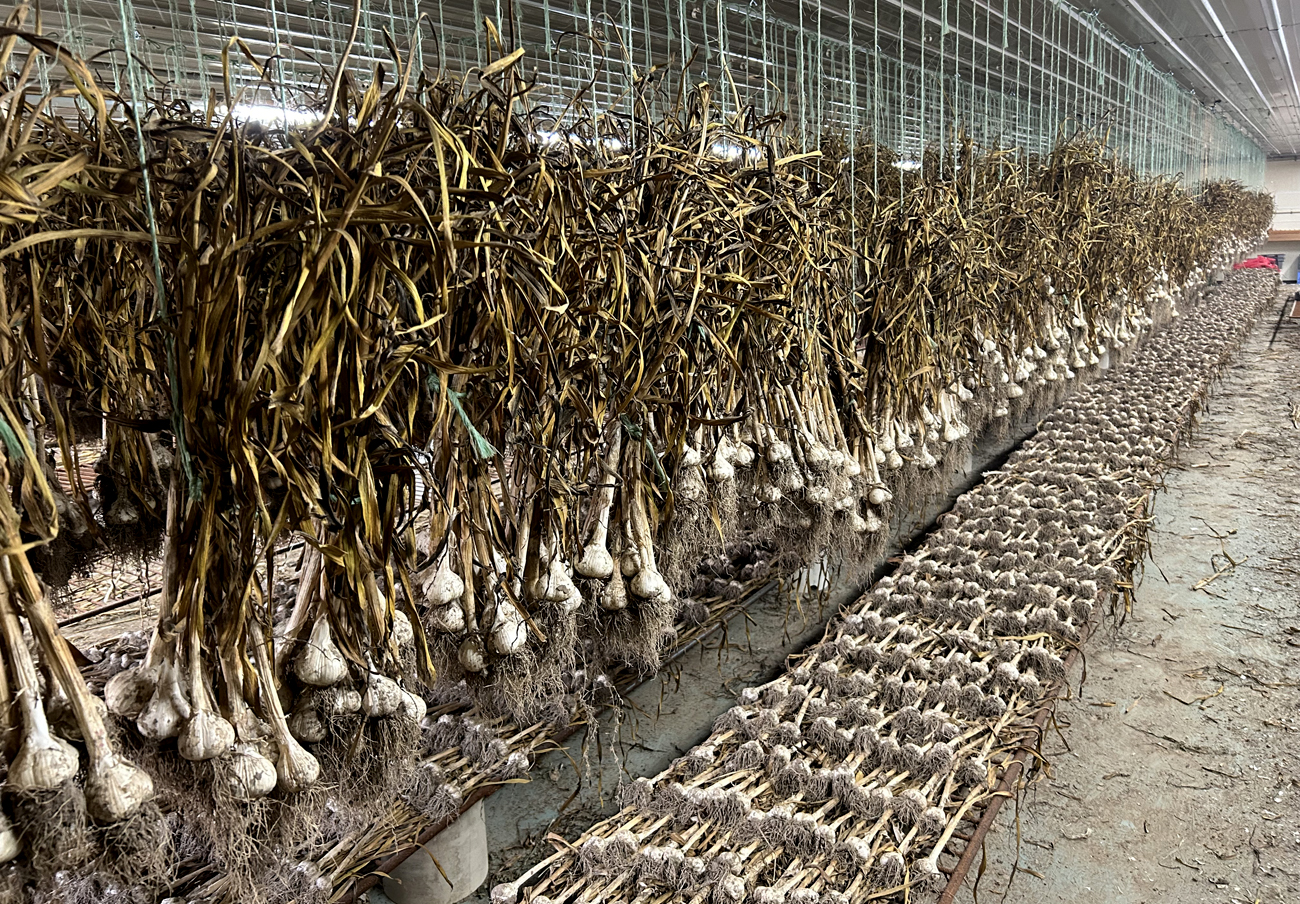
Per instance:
{"type": "Point", "coordinates": [1176, 773]}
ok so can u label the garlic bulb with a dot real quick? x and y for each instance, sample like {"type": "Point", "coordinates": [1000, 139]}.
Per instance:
{"type": "Point", "coordinates": [340, 702]}
{"type": "Point", "coordinates": [818, 456]}
{"type": "Point", "coordinates": [127, 692]}
{"type": "Point", "coordinates": [9, 845]}
{"type": "Point", "coordinates": [572, 603]}
{"type": "Point", "coordinates": [558, 585]}
{"type": "Point", "coordinates": [629, 563]}
{"type": "Point", "coordinates": [164, 715]}
{"type": "Point", "coordinates": [615, 596]}
{"type": "Point", "coordinates": [382, 696]}
{"type": "Point", "coordinates": [321, 664]}
{"type": "Point", "coordinates": [873, 521]}
{"type": "Point", "coordinates": [817, 495]}
{"type": "Point", "coordinates": [116, 788]}
{"type": "Point", "coordinates": [43, 762]}
{"type": "Point", "coordinates": [307, 726]}
{"type": "Point", "coordinates": [690, 456]}
{"type": "Point", "coordinates": [251, 776]}
{"type": "Point", "coordinates": [595, 562]}
{"type": "Point", "coordinates": [879, 495]}
{"type": "Point", "coordinates": [205, 736]}
{"type": "Point", "coordinates": [296, 769]}
{"type": "Point", "coordinates": [449, 619]}
{"type": "Point", "coordinates": [790, 480]}
{"type": "Point", "coordinates": [403, 633]}
{"type": "Point", "coordinates": [721, 469]}
{"type": "Point", "coordinates": [649, 584]}
{"type": "Point", "coordinates": [443, 585]}
{"type": "Point", "coordinates": [742, 456]}
{"type": "Point", "coordinates": [412, 706]}
{"type": "Point", "coordinates": [471, 655]}
{"type": "Point", "coordinates": [690, 485]}
{"type": "Point", "coordinates": [509, 631]}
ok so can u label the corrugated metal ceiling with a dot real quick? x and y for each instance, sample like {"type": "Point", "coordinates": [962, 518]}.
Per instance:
{"type": "Point", "coordinates": [1239, 54]}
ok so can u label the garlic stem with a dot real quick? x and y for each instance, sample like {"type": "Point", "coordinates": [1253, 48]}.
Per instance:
{"type": "Point", "coordinates": [115, 787]}
{"type": "Point", "coordinates": [596, 561]}
{"type": "Point", "coordinates": [295, 768]}
{"type": "Point", "coordinates": [43, 762]}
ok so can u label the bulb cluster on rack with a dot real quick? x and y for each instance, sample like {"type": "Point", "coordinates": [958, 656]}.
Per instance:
{"type": "Point", "coordinates": [849, 774]}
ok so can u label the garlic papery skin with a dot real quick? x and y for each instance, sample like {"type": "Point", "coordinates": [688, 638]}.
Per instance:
{"type": "Point", "coordinates": [116, 788]}
{"type": "Point", "coordinates": [321, 664]}
{"type": "Point", "coordinates": [742, 456]}
{"type": "Point", "coordinates": [573, 603]}
{"type": "Point", "coordinates": [721, 470]}
{"type": "Point", "coordinates": [382, 696]}
{"type": "Point", "coordinates": [817, 495]}
{"type": "Point", "coordinates": [595, 562]}
{"type": "Point", "coordinates": [10, 847]}
{"type": "Point", "coordinates": [307, 726]}
{"type": "Point", "coordinates": [690, 456]}
{"type": "Point", "coordinates": [629, 563]}
{"type": "Point", "coordinates": [164, 715]}
{"type": "Point", "coordinates": [650, 585]}
{"type": "Point", "coordinates": [251, 775]}
{"type": "Point", "coordinates": [818, 457]}
{"type": "Point", "coordinates": [509, 631]}
{"type": "Point", "coordinates": [924, 459]}
{"type": "Point", "coordinates": [205, 735]}
{"type": "Point", "coordinates": [127, 692]}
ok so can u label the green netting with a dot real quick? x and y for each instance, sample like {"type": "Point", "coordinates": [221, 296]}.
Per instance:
{"type": "Point", "coordinates": [911, 74]}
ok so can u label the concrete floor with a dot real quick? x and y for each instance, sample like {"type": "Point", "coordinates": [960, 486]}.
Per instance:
{"type": "Point", "coordinates": [1176, 776]}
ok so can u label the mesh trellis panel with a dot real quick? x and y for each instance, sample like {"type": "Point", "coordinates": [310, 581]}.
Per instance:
{"type": "Point", "coordinates": [912, 74]}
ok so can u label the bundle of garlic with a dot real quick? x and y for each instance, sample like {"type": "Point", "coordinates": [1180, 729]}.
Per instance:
{"type": "Point", "coordinates": [849, 775]}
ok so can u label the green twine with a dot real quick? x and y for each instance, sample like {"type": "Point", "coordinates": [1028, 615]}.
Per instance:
{"type": "Point", "coordinates": [11, 441]}
{"type": "Point", "coordinates": [482, 448]}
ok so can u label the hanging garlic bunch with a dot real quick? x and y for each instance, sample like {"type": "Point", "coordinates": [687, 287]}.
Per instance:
{"type": "Point", "coordinates": [442, 589]}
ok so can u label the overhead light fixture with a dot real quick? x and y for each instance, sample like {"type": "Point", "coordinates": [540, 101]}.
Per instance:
{"type": "Point", "coordinates": [271, 115]}
{"type": "Point", "coordinates": [1173, 45]}
{"type": "Point", "coordinates": [1233, 47]}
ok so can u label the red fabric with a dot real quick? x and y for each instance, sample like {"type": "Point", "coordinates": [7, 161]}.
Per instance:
{"type": "Point", "coordinates": [1257, 263]}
